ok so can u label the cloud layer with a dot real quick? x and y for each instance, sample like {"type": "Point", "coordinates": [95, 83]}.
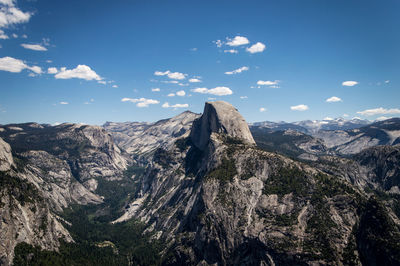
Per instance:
{"type": "Point", "coordinates": [379, 111]}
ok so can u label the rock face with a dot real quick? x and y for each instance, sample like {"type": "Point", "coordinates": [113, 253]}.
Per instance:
{"type": "Point", "coordinates": [6, 159]}
{"type": "Point", "coordinates": [142, 139]}
{"type": "Point", "coordinates": [52, 168]}
{"type": "Point", "coordinates": [219, 117]}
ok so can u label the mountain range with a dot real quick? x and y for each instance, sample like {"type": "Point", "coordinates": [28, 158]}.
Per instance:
{"type": "Point", "coordinates": [201, 189]}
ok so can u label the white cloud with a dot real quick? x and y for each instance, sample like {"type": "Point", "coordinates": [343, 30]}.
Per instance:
{"type": "Point", "coordinates": [181, 93]}
{"type": "Point", "coordinates": [236, 71]}
{"type": "Point", "coordinates": [178, 105]}
{"type": "Point", "coordinates": [211, 99]}
{"type": "Point", "coordinates": [256, 48]}
{"type": "Point", "coordinates": [218, 43]}
{"type": "Point", "coordinates": [268, 82]}
{"type": "Point", "coordinates": [171, 75]}
{"type": "Point", "coordinates": [333, 99]}
{"type": "Point", "coordinates": [160, 73]}
{"type": "Point", "coordinates": [328, 118]}
{"type": "Point", "coordinates": [194, 80]}
{"type": "Point", "coordinates": [243, 97]}
{"type": "Point", "coordinates": [102, 82]}
{"type": "Point", "coordinates": [3, 36]}
{"type": "Point", "coordinates": [14, 65]}
{"type": "Point", "coordinates": [142, 102]}
{"type": "Point", "coordinates": [219, 91]}
{"type": "Point", "coordinates": [176, 75]}
{"type": "Point", "coordinates": [35, 47]}
{"type": "Point", "coordinates": [349, 83]}
{"type": "Point", "coordinates": [345, 115]}
{"type": "Point", "coordinates": [193, 49]}
{"type": "Point", "coordinates": [24, 36]}
{"type": "Point", "coordinates": [237, 41]}
{"type": "Point", "coordinates": [7, 2]}
{"type": "Point", "coordinates": [63, 103]}
{"type": "Point", "coordinates": [11, 15]}
{"type": "Point", "coordinates": [170, 81]}
{"type": "Point", "coordinates": [231, 51]}
{"type": "Point", "coordinates": [381, 118]}
{"type": "Point", "coordinates": [387, 81]}
{"type": "Point", "coordinates": [115, 86]}
{"type": "Point", "coordinates": [36, 69]}
{"type": "Point", "coordinates": [155, 89]}
{"type": "Point", "coordinates": [171, 94]}
{"type": "Point", "coordinates": [49, 61]}
{"type": "Point", "coordinates": [379, 111]}
{"type": "Point", "coordinates": [52, 70]}
{"type": "Point", "coordinates": [300, 107]}
{"type": "Point", "coordinates": [262, 109]}
{"type": "Point", "coordinates": [80, 72]}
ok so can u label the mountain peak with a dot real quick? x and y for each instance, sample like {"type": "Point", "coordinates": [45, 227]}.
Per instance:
{"type": "Point", "coordinates": [219, 117]}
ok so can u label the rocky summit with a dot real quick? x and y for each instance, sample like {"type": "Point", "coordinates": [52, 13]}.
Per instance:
{"type": "Point", "coordinates": [220, 117]}
{"type": "Point", "coordinates": [195, 190]}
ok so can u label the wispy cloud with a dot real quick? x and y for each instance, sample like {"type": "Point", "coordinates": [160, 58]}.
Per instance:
{"type": "Point", "coordinates": [379, 111]}
{"type": "Point", "coordinates": [35, 47]}
{"type": "Point", "coordinates": [243, 97]}
{"type": "Point", "coordinates": [3, 36]}
{"type": "Point", "coordinates": [141, 102]}
{"type": "Point", "coordinates": [262, 109]}
{"type": "Point", "coordinates": [333, 99]}
{"type": "Point", "coordinates": [171, 94]}
{"type": "Point", "coordinates": [268, 82]}
{"type": "Point", "coordinates": [349, 83]}
{"type": "Point", "coordinates": [236, 71]}
{"type": "Point", "coordinates": [256, 48]}
{"type": "Point", "coordinates": [155, 89]}
{"type": "Point", "coordinates": [194, 80]}
{"type": "Point", "coordinates": [80, 72]}
{"type": "Point", "coordinates": [178, 105]}
{"type": "Point", "coordinates": [219, 91]}
{"type": "Point", "coordinates": [231, 51]}
{"type": "Point", "coordinates": [300, 107]}
{"type": "Point", "coordinates": [171, 75]}
{"type": "Point", "coordinates": [64, 103]}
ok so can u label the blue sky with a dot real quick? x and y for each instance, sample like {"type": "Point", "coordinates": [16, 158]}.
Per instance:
{"type": "Point", "coordinates": [97, 61]}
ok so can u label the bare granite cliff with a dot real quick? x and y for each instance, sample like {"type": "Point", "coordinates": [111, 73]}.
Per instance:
{"type": "Point", "coordinates": [219, 117]}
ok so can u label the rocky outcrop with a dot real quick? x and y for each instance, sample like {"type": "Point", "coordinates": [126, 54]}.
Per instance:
{"type": "Point", "coordinates": [142, 139]}
{"type": "Point", "coordinates": [6, 159]}
{"type": "Point", "coordinates": [53, 168]}
{"type": "Point", "coordinates": [219, 117]}
{"type": "Point", "coordinates": [26, 217]}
